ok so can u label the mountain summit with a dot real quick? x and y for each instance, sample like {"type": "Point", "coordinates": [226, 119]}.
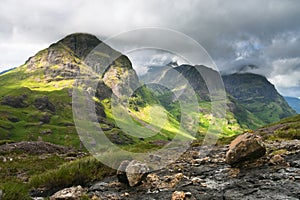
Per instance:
{"type": "Point", "coordinates": [80, 43]}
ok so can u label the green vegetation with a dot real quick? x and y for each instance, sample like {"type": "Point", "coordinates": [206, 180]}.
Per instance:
{"type": "Point", "coordinates": [21, 173]}
{"type": "Point", "coordinates": [17, 168]}
{"type": "Point", "coordinates": [78, 172]}
{"type": "Point", "coordinates": [15, 190]}
{"type": "Point", "coordinates": [286, 129]}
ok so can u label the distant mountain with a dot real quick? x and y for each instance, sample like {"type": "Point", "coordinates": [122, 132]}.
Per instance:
{"type": "Point", "coordinates": [294, 103]}
{"type": "Point", "coordinates": [252, 101]}
{"type": "Point", "coordinates": [256, 94]}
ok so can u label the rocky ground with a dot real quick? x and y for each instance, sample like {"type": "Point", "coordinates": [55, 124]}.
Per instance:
{"type": "Point", "coordinates": [273, 176]}
{"type": "Point", "coordinates": [38, 147]}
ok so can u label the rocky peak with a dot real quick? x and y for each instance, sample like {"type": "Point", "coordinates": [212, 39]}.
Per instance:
{"type": "Point", "coordinates": [80, 43]}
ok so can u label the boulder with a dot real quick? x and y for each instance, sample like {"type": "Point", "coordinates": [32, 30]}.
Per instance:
{"type": "Point", "coordinates": [121, 173]}
{"type": "Point", "coordinates": [178, 195]}
{"type": "Point", "coordinates": [132, 172]}
{"type": "Point", "coordinates": [245, 147]}
{"type": "Point", "coordinates": [136, 172]}
{"type": "Point", "coordinates": [72, 193]}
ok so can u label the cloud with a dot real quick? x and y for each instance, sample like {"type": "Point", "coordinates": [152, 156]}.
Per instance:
{"type": "Point", "coordinates": [233, 32]}
{"type": "Point", "coordinates": [144, 59]}
{"type": "Point", "coordinates": [286, 73]}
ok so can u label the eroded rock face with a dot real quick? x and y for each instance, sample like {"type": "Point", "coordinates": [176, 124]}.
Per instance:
{"type": "Point", "coordinates": [43, 103]}
{"type": "Point", "coordinates": [245, 147]}
{"type": "Point", "coordinates": [15, 101]}
{"type": "Point", "coordinates": [120, 77]}
{"type": "Point", "coordinates": [80, 43]}
{"type": "Point", "coordinates": [102, 91]}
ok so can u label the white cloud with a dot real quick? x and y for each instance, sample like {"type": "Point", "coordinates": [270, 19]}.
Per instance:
{"type": "Point", "coordinates": [286, 73]}
{"type": "Point", "coordinates": [142, 59]}
{"type": "Point", "coordinates": [255, 31]}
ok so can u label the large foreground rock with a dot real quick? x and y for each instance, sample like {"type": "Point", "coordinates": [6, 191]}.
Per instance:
{"type": "Point", "coordinates": [136, 172]}
{"type": "Point", "coordinates": [132, 172]}
{"type": "Point", "coordinates": [245, 147]}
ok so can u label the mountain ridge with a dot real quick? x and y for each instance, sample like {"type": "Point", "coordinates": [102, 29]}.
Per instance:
{"type": "Point", "coordinates": [47, 78]}
{"type": "Point", "coordinates": [258, 96]}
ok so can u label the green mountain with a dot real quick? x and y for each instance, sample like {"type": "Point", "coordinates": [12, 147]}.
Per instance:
{"type": "Point", "coordinates": [251, 102]}
{"type": "Point", "coordinates": [36, 98]}
{"type": "Point", "coordinates": [237, 113]}
{"type": "Point", "coordinates": [258, 96]}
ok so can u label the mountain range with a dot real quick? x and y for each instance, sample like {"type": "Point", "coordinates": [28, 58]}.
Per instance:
{"type": "Point", "coordinates": [36, 98]}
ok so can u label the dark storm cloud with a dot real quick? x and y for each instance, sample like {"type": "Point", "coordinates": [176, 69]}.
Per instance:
{"type": "Point", "coordinates": [235, 33]}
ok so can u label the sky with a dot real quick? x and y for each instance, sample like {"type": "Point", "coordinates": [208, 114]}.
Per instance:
{"type": "Point", "coordinates": [234, 33]}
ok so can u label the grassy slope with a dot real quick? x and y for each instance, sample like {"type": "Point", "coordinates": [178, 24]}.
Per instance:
{"type": "Point", "coordinates": [19, 82]}
{"type": "Point", "coordinates": [16, 83]}
{"type": "Point", "coordinates": [288, 128]}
